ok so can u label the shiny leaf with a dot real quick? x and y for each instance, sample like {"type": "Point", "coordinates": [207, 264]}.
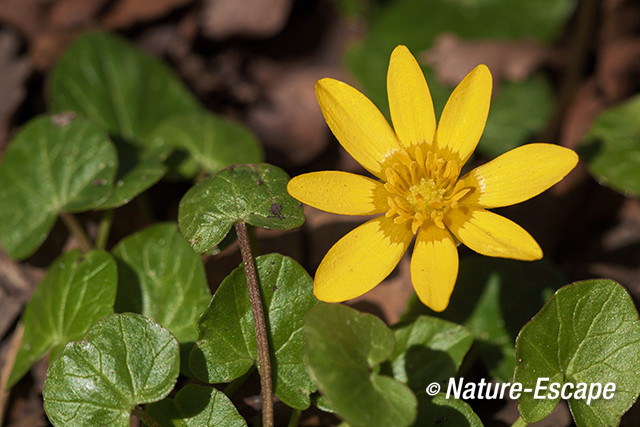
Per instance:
{"type": "Point", "coordinates": [211, 142]}
{"type": "Point", "coordinates": [54, 164]}
{"type": "Point", "coordinates": [227, 349]}
{"type": "Point", "coordinates": [344, 348]}
{"type": "Point", "coordinates": [255, 194]}
{"type": "Point", "coordinates": [124, 361]}
{"type": "Point", "coordinates": [77, 291]}
{"type": "Point", "coordinates": [428, 350]}
{"type": "Point", "coordinates": [588, 332]}
{"type": "Point", "coordinates": [196, 406]}
{"type": "Point", "coordinates": [160, 277]}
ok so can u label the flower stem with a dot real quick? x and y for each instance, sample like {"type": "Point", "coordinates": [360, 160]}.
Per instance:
{"type": "Point", "coordinates": [76, 229]}
{"type": "Point", "coordinates": [519, 423]}
{"type": "Point", "coordinates": [145, 417]}
{"type": "Point", "coordinates": [104, 229]}
{"type": "Point", "coordinates": [295, 418]}
{"type": "Point", "coordinates": [260, 325]}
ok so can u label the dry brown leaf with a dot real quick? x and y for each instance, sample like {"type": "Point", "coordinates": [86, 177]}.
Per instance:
{"type": "Point", "coordinates": [452, 58]}
{"type": "Point", "coordinates": [74, 14]}
{"type": "Point", "coordinates": [253, 18]}
{"type": "Point", "coordinates": [25, 15]}
{"type": "Point", "coordinates": [289, 120]}
{"type": "Point", "coordinates": [618, 70]}
{"type": "Point", "coordinates": [127, 12]}
{"type": "Point", "coordinates": [47, 47]}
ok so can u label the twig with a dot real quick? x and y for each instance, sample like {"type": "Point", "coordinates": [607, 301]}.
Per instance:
{"type": "Point", "coordinates": [259, 323]}
{"type": "Point", "coordinates": [76, 229]}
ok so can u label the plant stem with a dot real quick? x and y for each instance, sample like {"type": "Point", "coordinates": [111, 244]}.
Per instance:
{"type": "Point", "coordinates": [295, 418]}
{"type": "Point", "coordinates": [145, 417]}
{"type": "Point", "coordinates": [520, 423]}
{"type": "Point", "coordinates": [104, 229]}
{"type": "Point", "coordinates": [260, 325]}
{"type": "Point", "coordinates": [76, 229]}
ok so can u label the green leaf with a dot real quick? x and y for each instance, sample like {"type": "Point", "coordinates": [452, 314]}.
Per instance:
{"type": "Point", "coordinates": [612, 148]}
{"type": "Point", "coordinates": [54, 164]}
{"type": "Point", "coordinates": [442, 412]}
{"type": "Point", "coordinates": [124, 361]}
{"type": "Point", "coordinates": [255, 194]}
{"type": "Point", "coordinates": [119, 87]}
{"type": "Point", "coordinates": [160, 277]}
{"type": "Point", "coordinates": [344, 349]}
{"type": "Point", "coordinates": [588, 332]}
{"type": "Point", "coordinates": [428, 349]}
{"type": "Point", "coordinates": [129, 94]}
{"type": "Point", "coordinates": [77, 291]}
{"type": "Point", "coordinates": [196, 406]}
{"type": "Point", "coordinates": [137, 171]}
{"type": "Point", "coordinates": [212, 142]}
{"type": "Point", "coordinates": [493, 299]}
{"type": "Point", "coordinates": [227, 342]}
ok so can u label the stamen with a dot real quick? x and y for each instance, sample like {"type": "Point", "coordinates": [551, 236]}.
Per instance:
{"type": "Point", "coordinates": [422, 189]}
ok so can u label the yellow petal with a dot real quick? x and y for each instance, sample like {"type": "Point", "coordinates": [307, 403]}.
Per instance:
{"type": "Point", "coordinates": [410, 101]}
{"type": "Point", "coordinates": [434, 267]}
{"type": "Point", "coordinates": [519, 174]}
{"type": "Point", "coordinates": [361, 259]}
{"type": "Point", "coordinates": [493, 235]}
{"type": "Point", "coordinates": [465, 114]}
{"type": "Point", "coordinates": [340, 192]}
{"type": "Point", "coordinates": [357, 124]}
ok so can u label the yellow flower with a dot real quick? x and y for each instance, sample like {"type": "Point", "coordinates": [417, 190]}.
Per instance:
{"type": "Point", "coordinates": [419, 190]}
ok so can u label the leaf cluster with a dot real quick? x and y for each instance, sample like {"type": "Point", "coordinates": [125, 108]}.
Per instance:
{"type": "Point", "coordinates": [131, 330]}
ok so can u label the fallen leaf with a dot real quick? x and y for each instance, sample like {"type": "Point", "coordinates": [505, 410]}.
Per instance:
{"type": "Point", "coordinates": [127, 12]}
{"type": "Point", "coordinates": [253, 18]}
{"type": "Point", "coordinates": [452, 58]}
{"type": "Point", "coordinates": [25, 15]}
{"type": "Point", "coordinates": [74, 14]}
{"type": "Point", "coordinates": [289, 120]}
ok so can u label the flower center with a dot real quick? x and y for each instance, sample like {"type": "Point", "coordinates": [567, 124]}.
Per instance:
{"type": "Point", "coordinates": [422, 189]}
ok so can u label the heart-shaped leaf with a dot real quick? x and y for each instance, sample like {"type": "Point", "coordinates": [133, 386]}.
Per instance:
{"type": "Point", "coordinates": [227, 342]}
{"type": "Point", "coordinates": [196, 406]}
{"type": "Point", "coordinates": [124, 361]}
{"type": "Point", "coordinates": [160, 277]}
{"type": "Point", "coordinates": [588, 332]}
{"type": "Point", "coordinates": [77, 291]}
{"type": "Point", "coordinates": [119, 87]}
{"type": "Point", "coordinates": [343, 349]}
{"type": "Point", "coordinates": [428, 349]}
{"type": "Point", "coordinates": [54, 164]}
{"type": "Point", "coordinates": [255, 194]}
{"type": "Point", "coordinates": [611, 147]}
{"type": "Point", "coordinates": [211, 142]}
{"type": "Point", "coordinates": [127, 93]}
